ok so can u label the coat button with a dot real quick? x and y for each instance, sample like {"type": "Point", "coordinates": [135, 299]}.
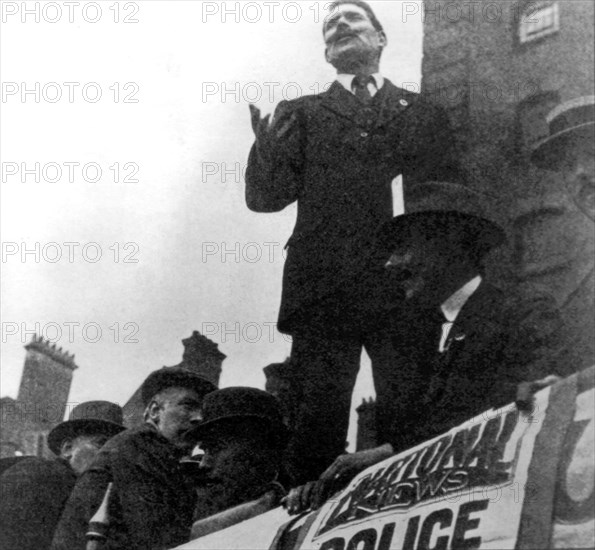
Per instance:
{"type": "Point", "coordinates": [364, 134]}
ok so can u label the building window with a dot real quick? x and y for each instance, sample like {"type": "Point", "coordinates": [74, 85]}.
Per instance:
{"type": "Point", "coordinates": [538, 20]}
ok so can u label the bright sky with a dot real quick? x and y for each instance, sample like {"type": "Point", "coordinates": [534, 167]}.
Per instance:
{"type": "Point", "coordinates": [161, 244]}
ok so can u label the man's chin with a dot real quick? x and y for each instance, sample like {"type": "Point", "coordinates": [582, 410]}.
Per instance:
{"type": "Point", "coordinates": [348, 56]}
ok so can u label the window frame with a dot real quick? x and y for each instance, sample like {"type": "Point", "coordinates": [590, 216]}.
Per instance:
{"type": "Point", "coordinates": [529, 9]}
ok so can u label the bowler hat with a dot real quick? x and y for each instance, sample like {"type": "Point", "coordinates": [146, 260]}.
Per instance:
{"type": "Point", "coordinates": [571, 120]}
{"type": "Point", "coordinates": [169, 377]}
{"type": "Point", "coordinates": [440, 207]}
{"type": "Point", "coordinates": [91, 417]}
{"type": "Point", "coordinates": [242, 402]}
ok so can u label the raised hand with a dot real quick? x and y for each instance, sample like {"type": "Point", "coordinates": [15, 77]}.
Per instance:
{"type": "Point", "coordinates": [269, 131]}
{"type": "Point", "coordinates": [259, 125]}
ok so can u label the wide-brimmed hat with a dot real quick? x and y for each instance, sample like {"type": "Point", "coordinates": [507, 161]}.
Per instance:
{"type": "Point", "coordinates": [169, 377]}
{"type": "Point", "coordinates": [91, 417]}
{"type": "Point", "coordinates": [571, 120]}
{"type": "Point", "coordinates": [441, 207]}
{"type": "Point", "coordinates": [240, 402]}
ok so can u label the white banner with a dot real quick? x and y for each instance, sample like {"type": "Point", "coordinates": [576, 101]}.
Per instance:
{"type": "Point", "coordinates": [502, 480]}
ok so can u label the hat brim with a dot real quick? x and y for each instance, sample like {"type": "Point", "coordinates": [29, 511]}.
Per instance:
{"type": "Point", "coordinates": [547, 153]}
{"type": "Point", "coordinates": [488, 234]}
{"type": "Point", "coordinates": [205, 428]}
{"type": "Point", "coordinates": [74, 428]}
{"type": "Point", "coordinates": [170, 378]}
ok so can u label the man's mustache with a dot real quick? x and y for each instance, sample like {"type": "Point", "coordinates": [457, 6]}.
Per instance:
{"type": "Point", "coordinates": [345, 34]}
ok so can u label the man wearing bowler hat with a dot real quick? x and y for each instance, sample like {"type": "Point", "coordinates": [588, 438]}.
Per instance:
{"type": "Point", "coordinates": [469, 343]}
{"type": "Point", "coordinates": [243, 437]}
{"type": "Point", "coordinates": [570, 150]}
{"type": "Point", "coordinates": [336, 154]}
{"type": "Point", "coordinates": [464, 345]}
{"type": "Point", "coordinates": [35, 490]}
{"type": "Point", "coordinates": [150, 503]}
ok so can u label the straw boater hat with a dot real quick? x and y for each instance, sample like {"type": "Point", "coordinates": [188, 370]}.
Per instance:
{"type": "Point", "coordinates": [239, 402]}
{"type": "Point", "coordinates": [571, 120]}
{"type": "Point", "coordinates": [440, 207]}
{"type": "Point", "coordinates": [170, 377]}
{"type": "Point", "coordinates": [91, 417]}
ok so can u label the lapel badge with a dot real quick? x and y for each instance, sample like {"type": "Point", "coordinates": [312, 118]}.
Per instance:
{"type": "Point", "coordinates": [459, 337]}
{"type": "Point", "coordinates": [403, 102]}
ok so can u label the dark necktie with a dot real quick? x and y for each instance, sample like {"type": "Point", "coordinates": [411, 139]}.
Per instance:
{"type": "Point", "coordinates": [360, 88]}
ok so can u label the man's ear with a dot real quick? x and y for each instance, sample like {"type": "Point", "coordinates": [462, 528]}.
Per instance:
{"type": "Point", "coordinates": [153, 411]}
{"type": "Point", "coordinates": [326, 56]}
{"type": "Point", "coordinates": [66, 448]}
{"type": "Point", "coordinates": [383, 39]}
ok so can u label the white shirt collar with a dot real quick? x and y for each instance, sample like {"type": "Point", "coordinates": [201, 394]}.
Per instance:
{"type": "Point", "coordinates": [453, 305]}
{"type": "Point", "coordinates": [346, 80]}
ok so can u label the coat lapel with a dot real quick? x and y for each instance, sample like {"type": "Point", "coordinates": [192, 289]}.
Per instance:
{"type": "Point", "coordinates": [471, 334]}
{"type": "Point", "coordinates": [395, 102]}
{"type": "Point", "coordinates": [475, 326]}
{"type": "Point", "coordinates": [341, 102]}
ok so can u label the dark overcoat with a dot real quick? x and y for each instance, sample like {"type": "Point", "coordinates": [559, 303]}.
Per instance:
{"type": "Point", "coordinates": [498, 340]}
{"type": "Point", "coordinates": [338, 162]}
{"type": "Point", "coordinates": [33, 492]}
{"type": "Point", "coordinates": [151, 502]}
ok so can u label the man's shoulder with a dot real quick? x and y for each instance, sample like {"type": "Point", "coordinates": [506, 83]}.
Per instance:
{"type": "Point", "coordinates": [33, 464]}
{"type": "Point", "coordinates": [516, 306]}
{"type": "Point", "coordinates": [336, 88]}
{"type": "Point", "coordinates": [302, 102]}
{"type": "Point", "coordinates": [419, 103]}
{"type": "Point", "coordinates": [129, 437]}
{"type": "Point", "coordinates": [132, 442]}
{"type": "Point", "coordinates": [527, 297]}
{"type": "Point", "coordinates": [36, 471]}
{"type": "Point", "coordinates": [404, 92]}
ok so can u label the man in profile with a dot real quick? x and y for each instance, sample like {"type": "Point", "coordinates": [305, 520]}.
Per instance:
{"type": "Point", "coordinates": [150, 501]}
{"type": "Point", "coordinates": [570, 150]}
{"type": "Point", "coordinates": [34, 490]}
{"type": "Point", "coordinates": [337, 155]}
{"type": "Point", "coordinates": [243, 437]}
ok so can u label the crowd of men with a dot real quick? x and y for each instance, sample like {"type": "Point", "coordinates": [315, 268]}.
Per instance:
{"type": "Point", "coordinates": [411, 290]}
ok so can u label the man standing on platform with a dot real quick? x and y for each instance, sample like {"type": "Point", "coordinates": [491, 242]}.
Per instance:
{"type": "Point", "coordinates": [337, 154]}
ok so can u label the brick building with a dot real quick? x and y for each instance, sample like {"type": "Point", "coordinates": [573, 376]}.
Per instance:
{"type": "Point", "coordinates": [41, 402]}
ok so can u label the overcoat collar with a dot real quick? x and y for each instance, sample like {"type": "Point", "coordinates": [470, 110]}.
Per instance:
{"type": "Point", "coordinates": [394, 101]}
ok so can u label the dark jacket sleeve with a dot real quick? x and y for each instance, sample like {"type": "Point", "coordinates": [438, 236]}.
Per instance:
{"type": "Point", "coordinates": [33, 494]}
{"type": "Point", "coordinates": [274, 172]}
